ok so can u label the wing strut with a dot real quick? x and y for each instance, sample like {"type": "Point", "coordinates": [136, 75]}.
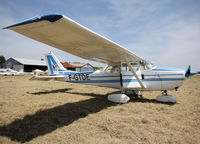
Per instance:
{"type": "Point", "coordinates": [134, 73]}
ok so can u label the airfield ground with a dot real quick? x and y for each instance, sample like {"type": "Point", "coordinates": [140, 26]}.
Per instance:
{"type": "Point", "coordinates": [57, 112]}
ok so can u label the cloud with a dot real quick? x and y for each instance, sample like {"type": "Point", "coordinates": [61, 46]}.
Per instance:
{"type": "Point", "coordinates": [184, 47]}
{"type": "Point", "coordinates": [164, 32]}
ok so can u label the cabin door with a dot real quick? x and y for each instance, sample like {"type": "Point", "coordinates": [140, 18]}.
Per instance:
{"type": "Point", "coordinates": [127, 78]}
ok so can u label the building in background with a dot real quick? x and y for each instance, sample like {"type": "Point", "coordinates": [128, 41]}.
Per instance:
{"type": "Point", "coordinates": [28, 65]}
{"type": "Point", "coordinates": [25, 65]}
{"type": "Point", "coordinates": [77, 66]}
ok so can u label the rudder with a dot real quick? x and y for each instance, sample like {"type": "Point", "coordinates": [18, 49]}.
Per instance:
{"type": "Point", "coordinates": [53, 64]}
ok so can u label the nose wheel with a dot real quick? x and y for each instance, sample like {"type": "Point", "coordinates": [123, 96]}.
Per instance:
{"type": "Point", "coordinates": [166, 98]}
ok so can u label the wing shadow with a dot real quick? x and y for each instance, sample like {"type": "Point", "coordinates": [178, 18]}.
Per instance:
{"type": "Point", "coordinates": [46, 121]}
{"type": "Point", "coordinates": [52, 91]}
{"type": "Point", "coordinates": [145, 100]}
{"type": "Point", "coordinates": [133, 99]}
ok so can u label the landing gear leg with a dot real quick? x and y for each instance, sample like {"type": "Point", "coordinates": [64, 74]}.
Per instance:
{"type": "Point", "coordinates": [123, 91]}
{"type": "Point", "coordinates": [139, 93]}
{"type": "Point", "coordinates": [164, 93]}
{"type": "Point", "coordinates": [134, 93]}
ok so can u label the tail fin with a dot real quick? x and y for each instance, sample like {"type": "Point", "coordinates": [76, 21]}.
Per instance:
{"type": "Point", "coordinates": [53, 64]}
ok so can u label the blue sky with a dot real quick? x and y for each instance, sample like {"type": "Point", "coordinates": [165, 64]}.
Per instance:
{"type": "Point", "coordinates": [165, 32]}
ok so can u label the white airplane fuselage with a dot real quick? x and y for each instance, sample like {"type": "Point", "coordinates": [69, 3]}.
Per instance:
{"type": "Point", "coordinates": [134, 76]}
{"type": "Point", "coordinates": [159, 78]}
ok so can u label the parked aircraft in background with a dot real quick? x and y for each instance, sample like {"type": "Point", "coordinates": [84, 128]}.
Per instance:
{"type": "Point", "coordinates": [39, 72]}
{"type": "Point", "coordinates": [128, 71]}
{"type": "Point", "coordinates": [8, 72]}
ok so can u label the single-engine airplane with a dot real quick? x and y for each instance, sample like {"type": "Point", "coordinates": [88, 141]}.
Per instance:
{"type": "Point", "coordinates": [127, 71]}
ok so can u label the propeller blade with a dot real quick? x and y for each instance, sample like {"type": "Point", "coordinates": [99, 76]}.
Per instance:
{"type": "Point", "coordinates": [189, 73]}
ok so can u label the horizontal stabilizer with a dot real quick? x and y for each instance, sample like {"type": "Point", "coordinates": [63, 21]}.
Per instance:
{"type": "Point", "coordinates": [47, 78]}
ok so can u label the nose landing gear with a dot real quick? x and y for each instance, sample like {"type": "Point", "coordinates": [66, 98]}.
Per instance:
{"type": "Point", "coordinates": [166, 98]}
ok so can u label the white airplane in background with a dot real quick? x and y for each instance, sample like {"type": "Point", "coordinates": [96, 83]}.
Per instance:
{"type": "Point", "coordinates": [128, 71]}
{"type": "Point", "coordinates": [9, 72]}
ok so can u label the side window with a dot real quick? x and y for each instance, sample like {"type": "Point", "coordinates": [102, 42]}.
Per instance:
{"type": "Point", "coordinates": [135, 66]}
{"type": "Point", "coordinates": [124, 67]}
{"type": "Point", "coordinates": [115, 69]}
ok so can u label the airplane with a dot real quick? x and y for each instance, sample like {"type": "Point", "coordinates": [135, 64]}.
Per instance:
{"type": "Point", "coordinates": [125, 70]}
{"type": "Point", "coordinates": [9, 72]}
{"type": "Point", "coordinates": [38, 72]}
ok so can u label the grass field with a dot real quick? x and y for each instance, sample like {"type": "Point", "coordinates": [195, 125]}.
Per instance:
{"type": "Point", "coordinates": [58, 112]}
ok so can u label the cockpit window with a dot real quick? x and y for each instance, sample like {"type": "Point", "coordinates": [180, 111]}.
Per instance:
{"type": "Point", "coordinates": [137, 66]}
{"type": "Point", "coordinates": [134, 64]}
{"type": "Point", "coordinates": [125, 68]}
{"type": "Point", "coordinates": [149, 66]}
{"type": "Point", "coordinates": [113, 69]}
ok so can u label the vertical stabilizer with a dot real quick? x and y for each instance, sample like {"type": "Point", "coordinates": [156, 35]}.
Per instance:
{"type": "Point", "coordinates": [53, 64]}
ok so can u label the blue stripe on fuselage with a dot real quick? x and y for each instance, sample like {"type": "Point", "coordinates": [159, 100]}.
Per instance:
{"type": "Point", "coordinates": [154, 79]}
{"type": "Point", "coordinates": [129, 80]}
{"type": "Point", "coordinates": [167, 69]}
{"type": "Point", "coordinates": [103, 76]}
{"type": "Point", "coordinates": [134, 76]}
{"type": "Point", "coordinates": [97, 81]}
{"type": "Point", "coordinates": [155, 75]}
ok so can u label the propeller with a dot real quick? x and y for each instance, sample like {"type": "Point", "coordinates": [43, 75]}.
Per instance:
{"type": "Point", "coordinates": [189, 73]}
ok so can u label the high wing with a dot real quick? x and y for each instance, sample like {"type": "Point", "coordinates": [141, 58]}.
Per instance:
{"type": "Point", "coordinates": [65, 34]}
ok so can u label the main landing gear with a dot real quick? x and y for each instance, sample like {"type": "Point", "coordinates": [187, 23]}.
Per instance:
{"type": "Point", "coordinates": [166, 98]}
{"type": "Point", "coordinates": [119, 98]}
{"type": "Point", "coordinates": [122, 97]}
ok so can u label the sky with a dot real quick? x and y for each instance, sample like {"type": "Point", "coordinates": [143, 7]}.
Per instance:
{"type": "Point", "coordinates": [165, 32]}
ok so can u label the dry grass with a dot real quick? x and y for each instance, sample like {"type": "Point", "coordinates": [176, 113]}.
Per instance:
{"type": "Point", "coordinates": [57, 112]}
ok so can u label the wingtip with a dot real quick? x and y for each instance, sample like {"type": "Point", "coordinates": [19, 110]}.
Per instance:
{"type": "Point", "coordinates": [49, 17]}
{"type": "Point", "coordinates": [5, 28]}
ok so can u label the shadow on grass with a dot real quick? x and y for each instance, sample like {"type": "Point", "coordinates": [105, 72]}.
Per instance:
{"type": "Point", "coordinates": [52, 91]}
{"type": "Point", "coordinates": [145, 100]}
{"type": "Point", "coordinates": [46, 121]}
{"type": "Point", "coordinates": [132, 98]}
